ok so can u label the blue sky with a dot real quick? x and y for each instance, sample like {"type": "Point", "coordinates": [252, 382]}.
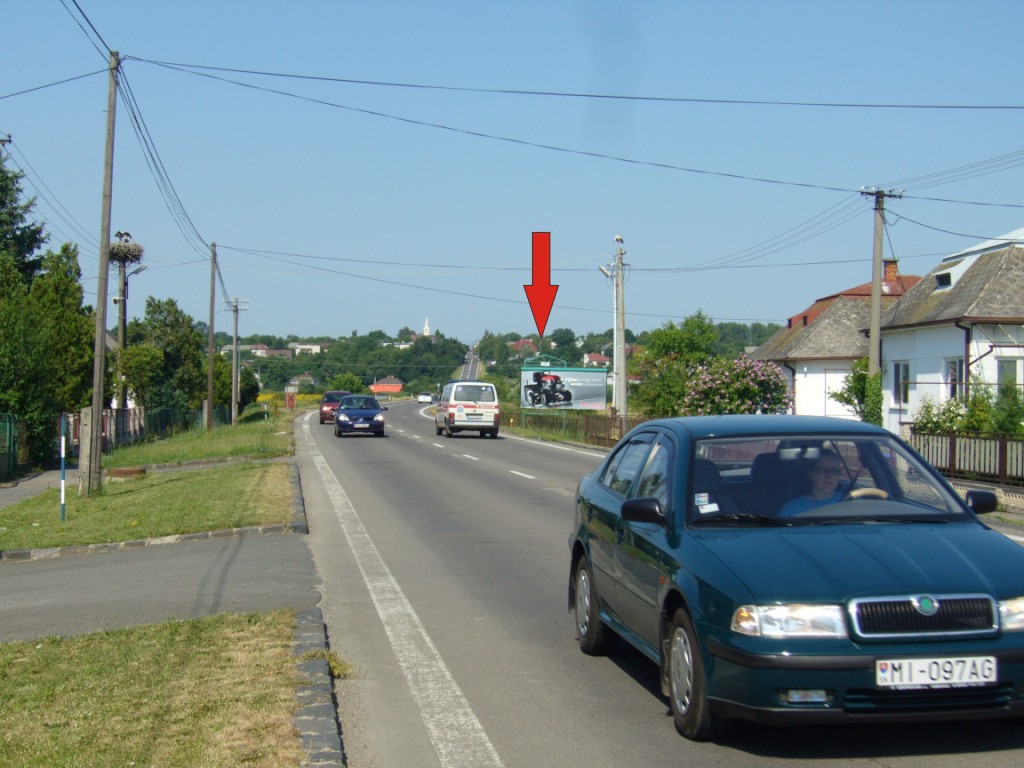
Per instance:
{"type": "Point", "coordinates": [343, 206]}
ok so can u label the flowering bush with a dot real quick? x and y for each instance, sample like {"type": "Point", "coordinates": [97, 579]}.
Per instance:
{"type": "Point", "coordinates": [736, 386]}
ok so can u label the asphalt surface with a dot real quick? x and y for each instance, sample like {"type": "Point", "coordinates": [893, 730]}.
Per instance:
{"type": "Point", "coordinates": [74, 591]}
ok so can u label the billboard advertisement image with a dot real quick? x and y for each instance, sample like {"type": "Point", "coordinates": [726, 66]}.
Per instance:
{"type": "Point", "coordinates": [584, 388]}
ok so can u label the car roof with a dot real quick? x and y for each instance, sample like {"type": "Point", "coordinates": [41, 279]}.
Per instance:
{"type": "Point", "coordinates": [738, 425]}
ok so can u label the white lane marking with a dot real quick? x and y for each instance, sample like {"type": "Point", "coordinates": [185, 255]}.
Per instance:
{"type": "Point", "coordinates": [472, 458]}
{"type": "Point", "coordinates": [457, 735]}
{"type": "Point", "coordinates": [522, 474]}
{"type": "Point", "coordinates": [438, 445]}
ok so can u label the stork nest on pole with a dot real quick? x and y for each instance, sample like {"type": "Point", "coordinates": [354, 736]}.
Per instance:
{"type": "Point", "coordinates": [125, 253]}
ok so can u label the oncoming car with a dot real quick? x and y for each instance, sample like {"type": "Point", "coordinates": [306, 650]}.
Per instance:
{"type": "Point", "coordinates": [329, 404]}
{"type": "Point", "coordinates": [425, 397]}
{"type": "Point", "coordinates": [359, 414]}
{"type": "Point", "coordinates": [793, 570]}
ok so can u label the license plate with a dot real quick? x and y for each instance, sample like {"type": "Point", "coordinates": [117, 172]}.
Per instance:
{"type": "Point", "coordinates": [953, 672]}
{"type": "Point", "coordinates": [362, 426]}
{"type": "Point", "coordinates": [474, 416]}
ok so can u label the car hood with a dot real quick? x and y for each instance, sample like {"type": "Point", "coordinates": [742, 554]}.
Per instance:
{"type": "Point", "coordinates": [816, 562]}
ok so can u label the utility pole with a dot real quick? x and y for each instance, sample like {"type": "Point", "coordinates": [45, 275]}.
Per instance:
{"type": "Point", "coordinates": [233, 306]}
{"type": "Point", "coordinates": [210, 345]}
{"type": "Point", "coordinates": [875, 330]}
{"type": "Point", "coordinates": [619, 400]}
{"type": "Point", "coordinates": [91, 480]}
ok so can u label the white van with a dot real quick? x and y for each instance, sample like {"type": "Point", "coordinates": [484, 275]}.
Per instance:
{"type": "Point", "coordinates": [469, 405]}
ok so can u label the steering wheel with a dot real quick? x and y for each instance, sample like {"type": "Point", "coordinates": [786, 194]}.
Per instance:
{"type": "Point", "coordinates": [862, 493]}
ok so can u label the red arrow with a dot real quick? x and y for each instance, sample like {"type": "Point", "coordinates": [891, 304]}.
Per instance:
{"type": "Point", "coordinates": [541, 293]}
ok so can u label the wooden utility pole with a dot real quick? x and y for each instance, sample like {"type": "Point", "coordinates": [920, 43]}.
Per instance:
{"type": "Point", "coordinates": [91, 479]}
{"type": "Point", "coordinates": [875, 330]}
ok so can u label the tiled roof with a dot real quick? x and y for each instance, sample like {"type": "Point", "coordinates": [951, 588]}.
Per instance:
{"type": "Point", "coordinates": [834, 333]}
{"type": "Point", "coordinates": [983, 287]}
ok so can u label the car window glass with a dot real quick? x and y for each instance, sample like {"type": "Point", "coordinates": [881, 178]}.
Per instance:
{"type": "Point", "coordinates": [654, 481]}
{"type": "Point", "coordinates": [626, 465]}
{"type": "Point", "coordinates": [474, 392]}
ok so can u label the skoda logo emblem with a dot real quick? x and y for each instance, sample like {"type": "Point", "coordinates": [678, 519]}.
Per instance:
{"type": "Point", "coordinates": [926, 605]}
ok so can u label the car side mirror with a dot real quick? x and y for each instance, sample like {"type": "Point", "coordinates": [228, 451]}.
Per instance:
{"type": "Point", "coordinates": [645, 510]}
{"type": "Point", "coordinates": [981, 502]}
{"type": "Point", "coordinates": [383, 407]}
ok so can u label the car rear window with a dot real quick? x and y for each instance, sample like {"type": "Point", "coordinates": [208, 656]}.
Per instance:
{"type": "Point", "coordinates": [475, 392]}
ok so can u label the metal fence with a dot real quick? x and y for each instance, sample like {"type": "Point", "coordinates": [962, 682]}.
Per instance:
{"type": "Point", "coordinates": [996, 458]}
{"type": "Point", "coordinates": [8, 445]}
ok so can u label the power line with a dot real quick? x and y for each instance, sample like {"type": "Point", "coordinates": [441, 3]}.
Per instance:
{"type": "Point", "coordinates": [582, 95]}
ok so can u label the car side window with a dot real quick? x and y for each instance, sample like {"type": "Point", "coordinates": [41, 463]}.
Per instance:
{"type": "Point", "coordinates": [654, 480]}
{"type": "Point", "coordinates": [626, 465]}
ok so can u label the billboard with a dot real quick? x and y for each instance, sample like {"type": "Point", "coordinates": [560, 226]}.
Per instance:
{"type": "Point", "coordinates": [549, 387]}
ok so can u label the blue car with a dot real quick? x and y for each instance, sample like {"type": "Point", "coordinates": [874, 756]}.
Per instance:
{"type": "Point", "coordinates": [359, 415]}
{"type": "Point", "coordinates": [792, 570]}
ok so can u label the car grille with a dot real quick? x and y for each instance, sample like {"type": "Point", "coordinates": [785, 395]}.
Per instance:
{"type": "Point", "coordinates": [909, 617]}
{"type": "Point", "coordinates": [872, 701]}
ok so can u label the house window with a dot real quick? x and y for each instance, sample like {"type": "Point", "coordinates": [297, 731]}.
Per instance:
{"type": "Point", "coordinates": [955, 377]}
{"type": "Point", "coordinates": [900, 384]}
{"type": "Point", "coordinates": [1007, 373]}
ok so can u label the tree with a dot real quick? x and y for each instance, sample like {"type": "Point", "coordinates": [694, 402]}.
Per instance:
{"type": "Point", "coordinates": [46, 341]}
{"type": "Point", "coordinates": [862, 393]}
{"type": "Point", "coordinates": [668, 359]}
{"type": "Point", "coordinates": [19, 238]}
{"type": "Point", "coordinates": [180, 382]}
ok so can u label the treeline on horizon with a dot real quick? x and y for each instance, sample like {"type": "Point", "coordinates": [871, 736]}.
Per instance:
{"type": "Point", "coordinates": [425, 363]}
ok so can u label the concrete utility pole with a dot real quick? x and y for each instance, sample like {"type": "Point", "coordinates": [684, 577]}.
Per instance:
{"type": "Point", "coordinates": [233, 306]}
{"type": "Point", "coordinates": [619, 399]}
{"type": "Point", "coordinates": [210, 344]}
{"type": "Point", "coordinates": [91, 479]}
{"type": "Point", "coordinates": [875, 330]}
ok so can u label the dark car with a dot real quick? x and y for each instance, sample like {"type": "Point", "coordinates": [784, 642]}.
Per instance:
{"type": "Point", "coordinates": [359, 414]}
{"type": "Point", "coordinates": [789, 570]}
{"type": "Point", "coordinates": [329, 404]}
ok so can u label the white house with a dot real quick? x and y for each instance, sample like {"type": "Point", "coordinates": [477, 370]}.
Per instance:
{"type": "Point", "coordinates": [818, 346]}
{"type": "Point", "coordinates": [962, 326]}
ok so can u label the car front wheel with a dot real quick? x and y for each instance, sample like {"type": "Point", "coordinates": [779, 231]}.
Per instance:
{"type": "Point", "coordinates": [688, 684]}
{"type": "Point", "coordinates": [595, 638]}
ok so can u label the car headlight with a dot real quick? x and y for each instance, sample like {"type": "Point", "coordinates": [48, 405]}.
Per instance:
{"type": "Point", "coordinates": [794, 620]}
{"type": "Point", "coordinates": [342, 417]}
{"type": "Point", "coordinates": [1011, 614]}
{"type": "Point", "coordinates": [379, 417]}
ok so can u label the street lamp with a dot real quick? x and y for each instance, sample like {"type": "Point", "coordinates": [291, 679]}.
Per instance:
{"type": "Point", "coordinates": [125, 252]}
{"type": "Point", "coordinates": [619, 404]}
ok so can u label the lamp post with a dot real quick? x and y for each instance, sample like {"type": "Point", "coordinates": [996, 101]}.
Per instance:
{"type": "Point", "coordinates": [124, 252]}
{"type": "Point", "coordinates": [122, 330]}
{"type": "Point", "coordinates": [619, 402]}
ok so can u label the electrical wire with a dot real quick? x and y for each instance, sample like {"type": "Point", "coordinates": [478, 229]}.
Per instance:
{"type": "Point", "coordinates": [580, 95]}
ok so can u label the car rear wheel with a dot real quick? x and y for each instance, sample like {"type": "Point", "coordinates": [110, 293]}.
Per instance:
{"type": "Point", "coordinates": [595, 638]}
{"type": "Point", "coordinates": [688, 684]}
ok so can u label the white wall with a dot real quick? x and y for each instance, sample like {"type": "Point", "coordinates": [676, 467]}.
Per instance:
{"type": "Point", "coordinates": [812, 383]}
{"type": "Point", "coordinates": [928, 350]}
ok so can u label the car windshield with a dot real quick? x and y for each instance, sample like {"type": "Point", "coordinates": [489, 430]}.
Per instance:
{"type": "Point", "coordinates": [358, 403]}
{"type": "Point", "coordinates": [814, 480]}
{"type": "Point", "coordinates": [332, 397]}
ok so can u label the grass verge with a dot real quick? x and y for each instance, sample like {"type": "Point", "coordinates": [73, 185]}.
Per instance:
{"type": "Point", "coordinates": [211, 692]}
{"type": "Point", "coordinates": [257, 435]}
{"type": "Point", "coordinates": [158, 504]}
